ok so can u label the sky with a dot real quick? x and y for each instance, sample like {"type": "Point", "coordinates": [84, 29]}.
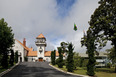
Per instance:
{"type": "Point", "coordinates": [53, 18]}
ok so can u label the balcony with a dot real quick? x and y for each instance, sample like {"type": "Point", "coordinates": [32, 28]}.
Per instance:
{"type": "Point", "coordinates": [40, 43]}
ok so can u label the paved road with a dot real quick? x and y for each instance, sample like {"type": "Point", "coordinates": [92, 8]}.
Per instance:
{"type": "Point", "coordinates": [35, 69]}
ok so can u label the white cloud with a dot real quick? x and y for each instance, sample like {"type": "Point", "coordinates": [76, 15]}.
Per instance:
{"type": "Point", "coordinates": [28, 18]}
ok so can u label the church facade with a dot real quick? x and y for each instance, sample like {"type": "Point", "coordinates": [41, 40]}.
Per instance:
{"type": "Point", "coordinates": [40, 55]}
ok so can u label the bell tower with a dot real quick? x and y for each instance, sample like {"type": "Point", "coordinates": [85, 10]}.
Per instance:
{"type": "Point", "coordinates": [41, 44]}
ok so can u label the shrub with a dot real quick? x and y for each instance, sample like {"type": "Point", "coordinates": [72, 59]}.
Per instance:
{"type": "Point", "coordinates": [60, 61]}
{"type": "Point", "coordinates": [25, 58]}
{"type": "Point", "coordinates": [109, 65]}
{"type": "Point", "coordinates": [53, 56]}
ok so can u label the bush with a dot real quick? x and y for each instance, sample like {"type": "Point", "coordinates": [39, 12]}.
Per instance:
{"type": "Point", "coordinates": [25, 58]}
{"type": "Point", "coordinates": [57, 60]}
{"type": "Point", "coordinates": [53, 57]}
{"type": "Point", "coordinates": [70, 61]}
{"type": "Point", "coordinates": [85, 62]}
{"type": "Point", "coordinates": [11, 61]}
{"type": "Point", "coordinates": [60, 61]}
{"type": "Point", "coordinates": [16, 57]}
{"type": "Point", "coordinates": [109, 65]}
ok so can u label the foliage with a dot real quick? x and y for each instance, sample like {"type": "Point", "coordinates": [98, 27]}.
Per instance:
{"type": "Point", "coordinates": [112, 56]}
{"type": "Point", "coordinates": [102, 28]}
{"type": "Point", "coordinates": [81, 61]}
{"type": "Point", "coordinates": [25, 58]}
{"type": "Point", "coordinates": [6, 42]}
{"type": "Point", "coordinates": [109, 65]}
{"type": "Point", "coordinates": [0, 59]}
{"type": "Point", "coordinates": [77, 60]}
{"type": "Point", "coordinates": [85, 62]}
{"type": "Point", "coordinates": [11, 62]}
{"type": "Point", "coordinates": [70, 61]}
{"type": "Point", "coordinates": [16, 57]}
{"type": "Point", "coordinates": [64, 47]}
{"type": "Point", "coordinates": [53, 56]}
{"type": "Point", "coordinates": [57, 61]}
{"type": "Point", "coordinates": [60, 59]}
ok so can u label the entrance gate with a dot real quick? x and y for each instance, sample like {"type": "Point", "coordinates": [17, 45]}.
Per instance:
{"type": "Point", "coordinates": [40, 59]}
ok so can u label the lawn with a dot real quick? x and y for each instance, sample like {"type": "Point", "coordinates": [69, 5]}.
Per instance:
{"type": "Point", "coordinates": [100, 72]}
{"type": "Point", "coordinates": [2, 69]}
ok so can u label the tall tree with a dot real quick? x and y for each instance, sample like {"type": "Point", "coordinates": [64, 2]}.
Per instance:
{"type": "Point", "coordinates": [6, 41]}
{"type": "Point", "coordinates": [64, 46]}
{"type": "Point", "coordinates": [16, 57]}
{"type": "Point", "coordinates": [11, 62]}
{"type": "Point", "coordinates": [102, 28]}
{"type": "Point", "coordinates": [60, 59]}
{"type": "Point", "coordinates": [53, 57]}
{"type": "Point", "coordinates": [70, 61]}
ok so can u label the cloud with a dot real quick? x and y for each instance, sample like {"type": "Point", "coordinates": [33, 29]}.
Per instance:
{"type": "Point", "coordinates": [29, 18]}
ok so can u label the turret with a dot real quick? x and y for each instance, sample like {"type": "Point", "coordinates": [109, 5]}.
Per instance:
{"type": "Point", "coordinates": [41, 44]}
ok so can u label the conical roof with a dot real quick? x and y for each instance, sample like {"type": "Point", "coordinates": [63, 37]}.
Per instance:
{"type": "Point", "coordinates": [41, 36]}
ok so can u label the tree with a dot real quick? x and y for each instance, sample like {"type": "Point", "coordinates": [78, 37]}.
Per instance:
{"type": "Point", "coordinates": [70, 61]}
{"type": "Point", "coordinates": [102, 28]}
{"type": "Point", "coordinates": [6, 42]}
{"type": "Point", "coordinates": [60, 59]}
{"type": "Point", "coordinates": [76, 59]}
{"type": "Point", "coordinates": [112, 56]}
{"type": "Point", "coordinates": [81, 61]}
{"type": "Point", "coordinates": [88, 41]}
{"type": "Point", "coordinates": [25, 58]}
{"type": "Point", "coordinates": [16, 56]}
{"type": "Point", "coordinates": [64, 47]}
{"type": "Point", "coordinates": [11, 62]}
{"type": "Point", "coordinates": [53, 57]}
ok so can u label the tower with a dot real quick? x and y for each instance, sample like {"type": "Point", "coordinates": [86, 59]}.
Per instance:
{"type": "Point", "coordinates": [41, 44]}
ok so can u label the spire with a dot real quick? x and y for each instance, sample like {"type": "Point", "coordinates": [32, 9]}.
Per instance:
{"type": "Point", "coordinates": [40, 36]}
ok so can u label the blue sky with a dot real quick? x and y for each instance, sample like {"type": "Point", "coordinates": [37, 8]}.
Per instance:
{"type": "Point", "coordinates": [64, 6]}
{"type": "Point", "coordinates": [54, 18]}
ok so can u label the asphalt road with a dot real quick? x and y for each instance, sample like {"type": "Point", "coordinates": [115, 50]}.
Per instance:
{"type": "Point", "coordinates": [35, 69]}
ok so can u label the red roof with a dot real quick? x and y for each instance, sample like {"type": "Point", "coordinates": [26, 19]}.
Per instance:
{"type": "Point", "coordinates": [41, 36]}
{"type": "Point", "coordinates": [48, 53]}
{"type": "Point", "coordinates": [31, 52]}
{"type": "Point", "coordinates": [26, 48]}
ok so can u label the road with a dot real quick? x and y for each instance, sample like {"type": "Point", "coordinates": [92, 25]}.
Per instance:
{"type": "Point", "coordinates": [35, 69]}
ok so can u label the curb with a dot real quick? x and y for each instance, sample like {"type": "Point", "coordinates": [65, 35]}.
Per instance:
{"type": "Point", "coordinates": [68, 72]}
{"type": "Point", "coordinates": [4, 72]}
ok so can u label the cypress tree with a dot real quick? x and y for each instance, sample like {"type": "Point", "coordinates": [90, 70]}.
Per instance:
{"type": "Point", "coordinates": [70, 61]}
{"type": "Point", "coordinates": [16, 56]}
{"type": "Point", "coordinates": [53, 57]}
{"type": "Point", "coordinates": [11, 62]}
{"type": "Point", "coordinates": [60, 59]}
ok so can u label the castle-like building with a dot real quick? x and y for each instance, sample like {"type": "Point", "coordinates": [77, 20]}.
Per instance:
{"type": "Point", "coordinates": [40, 55]}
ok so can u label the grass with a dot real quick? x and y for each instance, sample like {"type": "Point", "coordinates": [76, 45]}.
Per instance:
{"type": "Point", "coordinates": [3, 69]}
{"type": "Point", "coordinates": [100, 72]}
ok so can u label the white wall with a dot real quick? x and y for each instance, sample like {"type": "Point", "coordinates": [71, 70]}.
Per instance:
{"type": "Point", "coordinates": [42, 53]}
{"type": "Point", "coordinates": [32, 59]}
{"type": "Point", "coordinates": [20, 49]}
